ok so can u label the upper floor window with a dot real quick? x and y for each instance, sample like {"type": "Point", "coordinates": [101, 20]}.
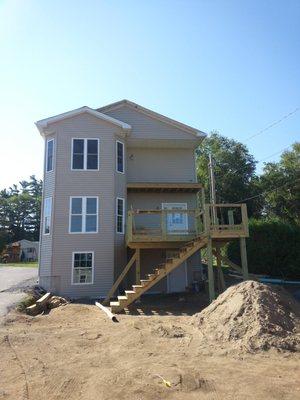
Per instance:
{"type": "Point", "coordinates": [120, 157]}
{"type": "Point", "coordinates": [47, 215]}
{"type": "Point", "coordinates": [120, 215]}
{"type": "Point", "coordinates": [85, 154]}
{"type": "Point", "coordinates": [49, 155]}
{"type": "Point", "coordinates": [83, 215]}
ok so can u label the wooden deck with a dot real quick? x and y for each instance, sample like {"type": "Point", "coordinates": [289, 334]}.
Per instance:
{"type": "Point", "coordinates": [150, 228]}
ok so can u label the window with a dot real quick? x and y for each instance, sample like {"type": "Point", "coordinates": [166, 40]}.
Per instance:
{"type": "Point", "coordinates": [82, 267]}
{"type": "Point", "coordinates": [120, 215]}
{"type": "Point", "coordinates": [120, 156]}
{"type": "Point", "coordinates": [49, 155]}
{"type": "Point", "coordinates": [85, 154]}
{"type": "Point", "coordinates": [83, 215]}
{"type": "Point", "coordinates": [47, 215]}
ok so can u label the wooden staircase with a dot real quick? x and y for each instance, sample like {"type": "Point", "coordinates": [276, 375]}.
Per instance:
{"type": "Point", "coordinates": [159, 273]}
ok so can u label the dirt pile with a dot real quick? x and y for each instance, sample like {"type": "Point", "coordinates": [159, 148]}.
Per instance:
{"type": "Point", "coordinates": [248, 317]}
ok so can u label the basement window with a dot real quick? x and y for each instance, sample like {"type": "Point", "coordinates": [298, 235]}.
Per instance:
{"type": "Point", "coordinates": [82, 267]}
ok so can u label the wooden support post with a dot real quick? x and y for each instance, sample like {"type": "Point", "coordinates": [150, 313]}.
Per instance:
{"type": "Point", "coordinates": [211, 283]}
{"type": "Point", "coordinates": [221, 280]}
{"type": "Point", "coordinates": [120, 278]}
{"type": "Point", "coordinates": [244, 258]}
{"type": "Point", "coordinates": [138, 267]}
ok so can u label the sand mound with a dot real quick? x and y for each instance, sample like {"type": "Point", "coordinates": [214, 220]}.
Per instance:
{"type": "Point", "coordinates": [248, 317]}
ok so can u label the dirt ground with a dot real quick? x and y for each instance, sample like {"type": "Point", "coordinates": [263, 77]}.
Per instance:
{"type": "Point", "coordinates": [75, 352]}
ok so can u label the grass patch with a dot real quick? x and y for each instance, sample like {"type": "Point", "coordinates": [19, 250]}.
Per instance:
{"type": "Point", "coordinates": [26, 302]}
{"type": "Point", "coordinates": [31, 264]}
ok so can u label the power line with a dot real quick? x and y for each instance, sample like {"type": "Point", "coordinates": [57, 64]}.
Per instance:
{"type": "Point", "coordinates": [267, 191]}
{"type": "Point", "coordinates": [273, 124]}
{"type": "Point", "coordinates": [274, 154]}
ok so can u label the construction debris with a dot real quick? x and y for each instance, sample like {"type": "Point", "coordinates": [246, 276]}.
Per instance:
{"type": "Point", "coordinates": [44, 303]}
{"type": "Point", "coordinates": [248, 317]}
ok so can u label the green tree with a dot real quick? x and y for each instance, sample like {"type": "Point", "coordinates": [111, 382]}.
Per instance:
{"type": "Point", "coordinates": [281, 184]}
{"type": "Point", "coordinates": [234, 169]}
{"type": "Point", "coordinates": [20, 208]}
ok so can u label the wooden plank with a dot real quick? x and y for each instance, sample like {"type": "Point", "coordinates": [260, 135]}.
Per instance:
{"type": "Point", "coordinates": [120, 278]}
{"type": "Point", "coordinates": [43, 300]}
{"type": "Point", "coordinates": [244, 258]}
{"type": "Point", "coordinates": [107, 312]}
{"type": "Point", "coordinates": [221, 279]}
{"type": "Point", "coordinates": [211, 283]}
{"type": "Point", "coordinates": [164, 186]}
{"type": "Point", "coordinates": [138, 267]}
{"type": "Point", "coordinates": [228, 262]}
{"type": "Point", "coordinates": [245, 219]}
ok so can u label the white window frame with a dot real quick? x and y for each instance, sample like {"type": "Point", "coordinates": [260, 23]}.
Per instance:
{"type": "Point", "coordinates": [123, 146]}
{"type": "Point", "coordinates": [49, 216]}
{"type": "Point", "coordinates": [47, 144]}
{"type": "Point", "coordinates": [85, 140]}
{"type": "Point", "coordinates": [83, 215]}
{"type": "Point", "coordinates": [123, 216]}
{"type": "Point", "coordinates": [93, 269]}
{"type": "Point", "coordinates": [186, 219]}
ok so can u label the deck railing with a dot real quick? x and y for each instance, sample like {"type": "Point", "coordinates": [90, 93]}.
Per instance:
{"type": "Point", "coordinates": [226, 219]}
{"type": "Point", "coordinates": [220, 221]}
{"type": "Point", "coordinates": [164, 225]}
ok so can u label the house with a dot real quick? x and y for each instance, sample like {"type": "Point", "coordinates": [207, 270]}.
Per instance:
{"type": "Point", "coordinates": [22, 250]}
{"type": "Point", "coordinates": [120, 189]}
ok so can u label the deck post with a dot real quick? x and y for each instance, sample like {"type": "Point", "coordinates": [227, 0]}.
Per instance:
{"type": "Point", "coordinates": [138, 267]}
{"type": "Point", "coordinates": [221, 280]}
{"type": "Point", "coordinates": [211, 283]}
{"type": "Point", "coordinates": [244, 258]}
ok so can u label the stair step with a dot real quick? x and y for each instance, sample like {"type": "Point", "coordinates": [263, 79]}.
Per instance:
{"type": "Point", "coordinates": [137, 287]}
{"type": "Point", "coordinates": [169, 260]}
{"type": "Point", "coordinates": [114, 304]}
{"type": "Point", "coordinates": [144, 282]}
{"type": "Point", "coordinates": [122, 298]}
{"type": "Point", "coordinates": [151, 276]}
{"type": "Point", "coordinates": [129, 292]}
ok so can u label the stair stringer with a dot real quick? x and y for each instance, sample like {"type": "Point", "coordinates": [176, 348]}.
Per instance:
{"type": "Point", "coordinates": [124, 301]}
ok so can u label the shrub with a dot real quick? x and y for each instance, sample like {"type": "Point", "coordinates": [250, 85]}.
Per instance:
{"type": "Point", "coordinates": [273, 248]}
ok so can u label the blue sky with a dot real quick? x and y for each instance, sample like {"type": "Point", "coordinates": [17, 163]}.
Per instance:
{"type": "Point", "coordinates": [233, 66]}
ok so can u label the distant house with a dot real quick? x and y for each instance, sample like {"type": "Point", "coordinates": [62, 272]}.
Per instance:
{"type": "Point", "coordinates": [22, 250]}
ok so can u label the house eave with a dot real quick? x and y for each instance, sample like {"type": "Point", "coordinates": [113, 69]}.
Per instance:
{"type": "Point", "coordinates": [43, 125]}
{"type": "Point", "coordinates": [153, 114]}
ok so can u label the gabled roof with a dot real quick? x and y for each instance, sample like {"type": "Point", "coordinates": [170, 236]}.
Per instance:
{"type": "Point", "coordinates": [42, 125]}
{"type": "Point", "coordinates": [153, 114]}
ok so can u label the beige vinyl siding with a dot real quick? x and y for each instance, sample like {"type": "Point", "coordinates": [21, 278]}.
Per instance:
{"type": "Point", "coordinates": [120, 191]}
{"type": "Point", "coordinates": [147, 127]}
{"type": "Point", "coordinates": [160, 165]}
{"type": "Point", "coordinates": [45, 261]}
{"type": "Point", "coordinates": [85, 183]}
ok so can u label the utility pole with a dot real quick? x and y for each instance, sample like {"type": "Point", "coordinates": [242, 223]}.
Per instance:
{"type": "Point", "coordinates": [212, 188]}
